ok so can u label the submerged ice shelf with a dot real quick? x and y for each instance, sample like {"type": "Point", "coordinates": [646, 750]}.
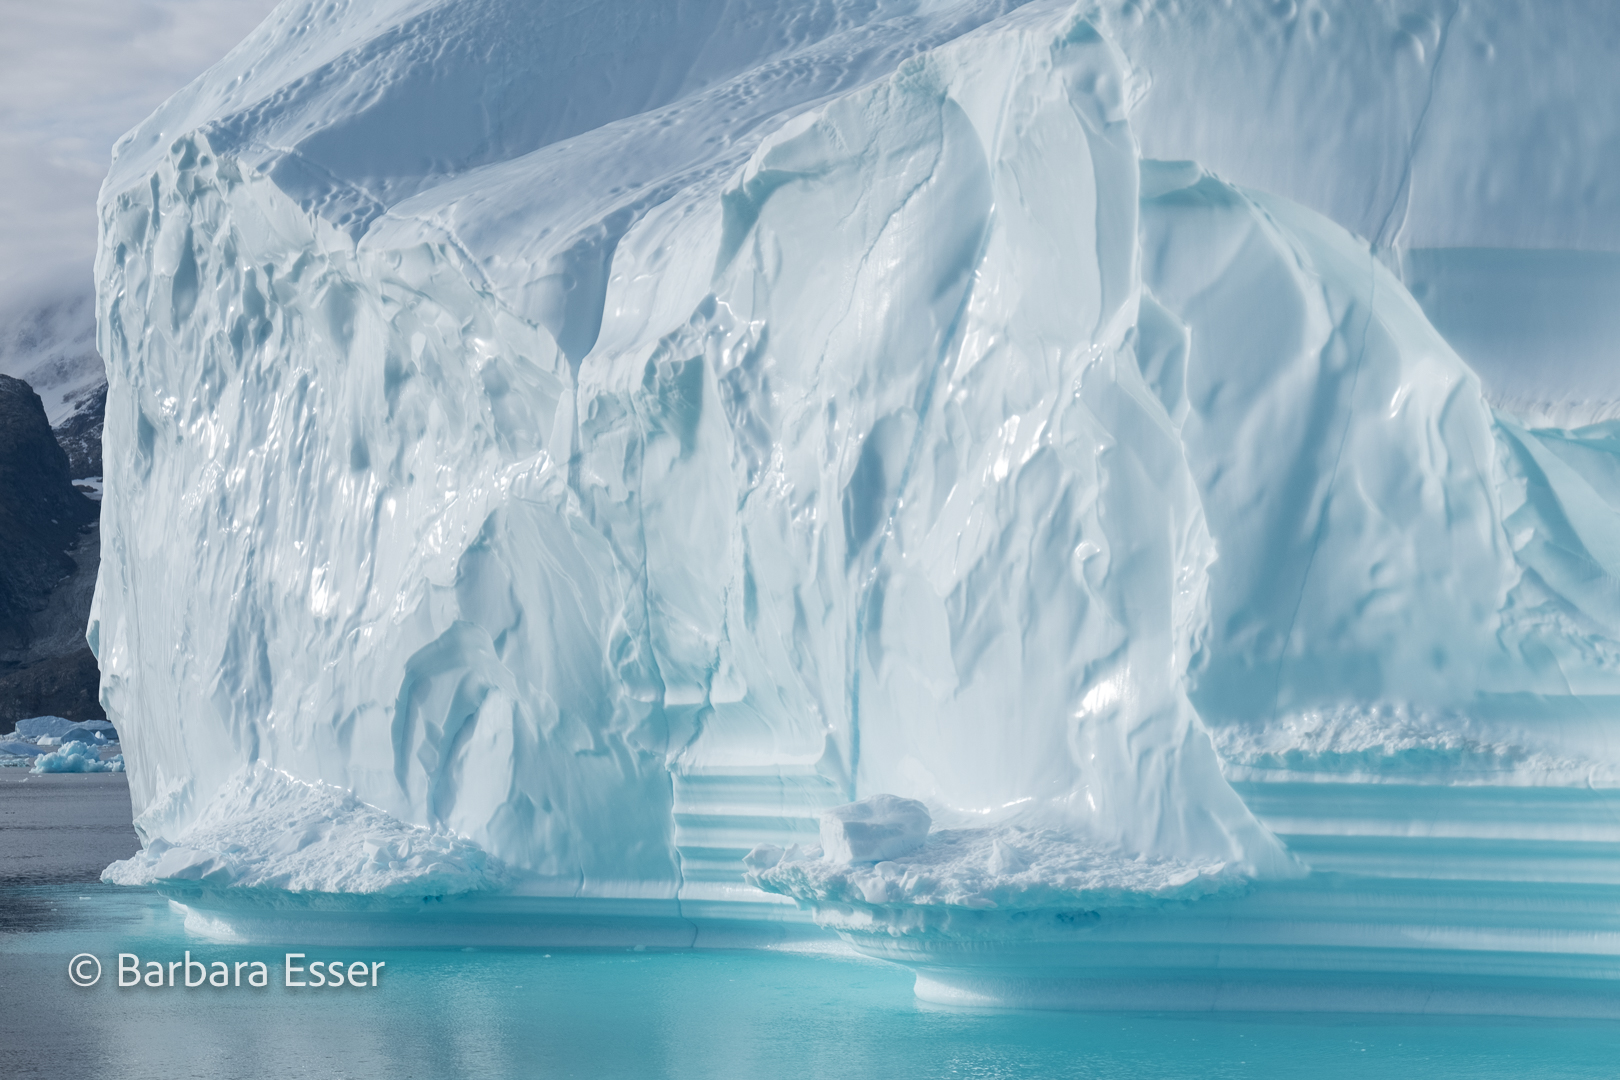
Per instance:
{"type": "Point", "coordinates": [579, 496]}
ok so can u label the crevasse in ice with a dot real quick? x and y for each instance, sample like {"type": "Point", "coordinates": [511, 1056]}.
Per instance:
{"type": "Point", "coordinates": [553, 452]}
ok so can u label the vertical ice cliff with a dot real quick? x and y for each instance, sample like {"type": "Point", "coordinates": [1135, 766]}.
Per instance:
{"type": "Point", "coordinates": [566, 465]}
{"type": "Point", "coordinates": [816, 444]}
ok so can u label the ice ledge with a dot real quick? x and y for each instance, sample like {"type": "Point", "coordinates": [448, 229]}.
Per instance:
{"type": "Point", "coordinates": [962, 872]}
{"type": "Point", "coordinates": [1500, 741]}
{"type": "Point", "coordinates": [265, 830]}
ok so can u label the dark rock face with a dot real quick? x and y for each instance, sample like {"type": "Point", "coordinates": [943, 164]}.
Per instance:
{"type": "Point", "coordinates": [80, 434]}
{"type": "Point", "coordinates": [67, 686]}
{"type": "Point", "coordinates": [44, 524]}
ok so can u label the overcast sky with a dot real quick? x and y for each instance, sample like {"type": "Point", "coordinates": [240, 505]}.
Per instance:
{"type": "Point", "coordinates": [74, 76]}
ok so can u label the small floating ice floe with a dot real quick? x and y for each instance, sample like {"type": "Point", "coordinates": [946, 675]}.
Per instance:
{"type": "Point", "coordinates": [76, 757]}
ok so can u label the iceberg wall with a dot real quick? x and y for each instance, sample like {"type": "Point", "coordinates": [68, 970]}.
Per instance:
{"type": "Point", "coordinates": [1377, 521]}
{"type": "Point", "coordinates": [546, 467]}
{"type": "Point", "coordinates": [822, 493]}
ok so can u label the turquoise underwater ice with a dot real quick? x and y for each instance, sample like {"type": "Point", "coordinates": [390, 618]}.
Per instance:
{"type": "Point", "coordinates": [1142, 459]}
{"type": "Point", "coordinates": [682, 1015]}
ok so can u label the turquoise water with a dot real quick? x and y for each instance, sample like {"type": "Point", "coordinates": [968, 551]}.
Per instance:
{"type": "Point", "coordinates": [712, 1015]}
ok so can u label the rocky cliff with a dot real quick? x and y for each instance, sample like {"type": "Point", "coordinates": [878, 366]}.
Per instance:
{"type": "Point", "coordinates": [49, 549]}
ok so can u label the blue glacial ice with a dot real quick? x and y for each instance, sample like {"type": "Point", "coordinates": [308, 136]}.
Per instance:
{"type": "Point", "coordinates": [604, 441]}
{"type": "Point", "coordinates": [75, 757]}
{"type": "Point", "coordinates": [56, 744]}
{"type": "Point", "coordinates": [58, 727]}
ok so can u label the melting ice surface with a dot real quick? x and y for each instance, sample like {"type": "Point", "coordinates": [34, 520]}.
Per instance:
{"type": "Point", "coordinates": [601, 441]}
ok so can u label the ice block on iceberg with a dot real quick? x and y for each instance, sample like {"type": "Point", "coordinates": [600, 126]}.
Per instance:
{"type": "Point", "coordinates": [877, 827]}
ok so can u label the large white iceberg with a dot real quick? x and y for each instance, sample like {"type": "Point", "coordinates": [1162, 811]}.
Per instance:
{"type": "Point", "coordinates": [584, 446]}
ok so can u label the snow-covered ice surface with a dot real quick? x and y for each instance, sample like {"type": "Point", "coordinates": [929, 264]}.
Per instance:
{"type": "Point", "coordinates": [604, 439]}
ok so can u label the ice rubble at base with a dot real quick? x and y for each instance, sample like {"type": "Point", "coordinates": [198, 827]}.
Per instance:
{"type": "Point", "coordinates": [268, 831]}
{"type": "Point", "coordinates": [1007, 867]}
{"type": "Point", "coordinates": [838, 404]}
{"type": "Point", "coordinates": [897, 861]}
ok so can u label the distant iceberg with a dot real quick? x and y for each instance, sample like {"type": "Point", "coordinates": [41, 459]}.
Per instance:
{"type": "Point", "coordinates": [75, 757]}
{"type": "Point", "coordinates": [52, 744]}
{"type": "Point", "coordinates": [603, 442]}
{"type": "Point", "coordinates": [61, 728]}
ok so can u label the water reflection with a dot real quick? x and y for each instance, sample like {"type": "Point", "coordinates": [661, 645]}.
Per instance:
{"type": "Point", "coordinates": [718, 1015]}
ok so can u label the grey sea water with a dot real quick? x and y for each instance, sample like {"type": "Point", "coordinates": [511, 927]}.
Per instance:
{"type": "Point", "coordinates": [595, 1013]}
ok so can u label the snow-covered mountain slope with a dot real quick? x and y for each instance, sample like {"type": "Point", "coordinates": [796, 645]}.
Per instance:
{"type": "Point", "coordinates": [48, 540]}
{"type": "Point", "coordinates": [613, 435]}
{"type": "Point", "coordinates": [52, 347]}
{"type": "Point", "coordinates": [47, 569]}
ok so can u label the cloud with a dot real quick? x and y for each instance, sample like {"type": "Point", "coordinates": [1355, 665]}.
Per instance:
{"type": "Point", "coordinates": [74, 76]}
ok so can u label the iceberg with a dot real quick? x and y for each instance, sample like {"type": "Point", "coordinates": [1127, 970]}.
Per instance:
{"type": "Point", "coordinates": [61, 728]}
{"type": "Point", "coordinates": [71, 757]}
{"type": "Point", "coordinates": [18, 753]}
{"type": "Point", "coordinates": [54, 744]}
{"type": "Point", "coordinates": [846, 465]}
